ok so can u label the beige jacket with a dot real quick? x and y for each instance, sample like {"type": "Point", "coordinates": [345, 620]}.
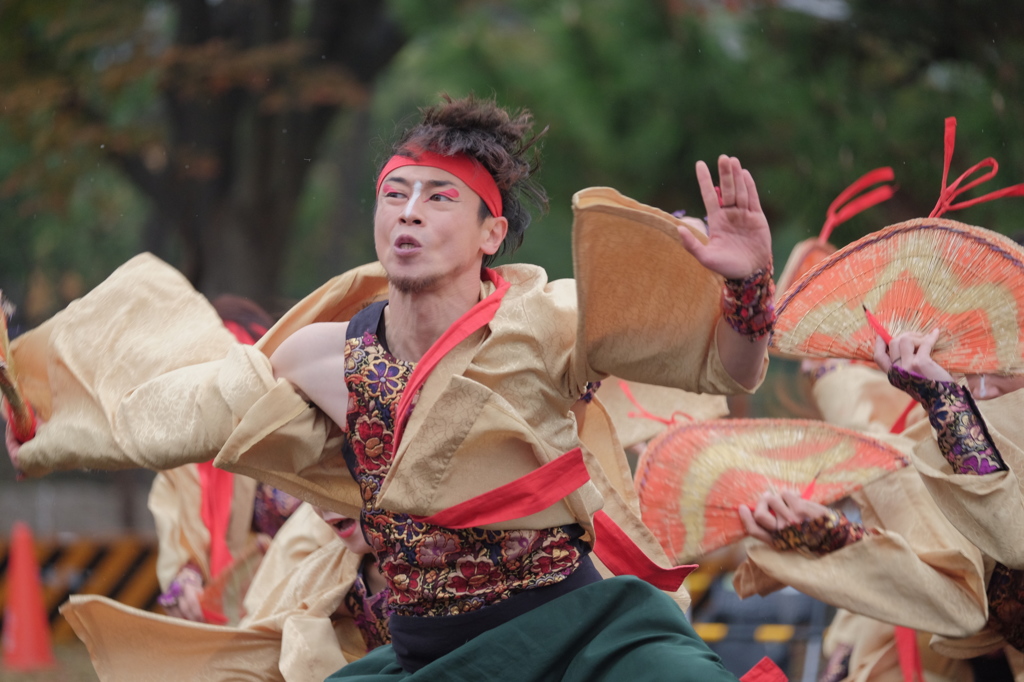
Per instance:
{"type": "Point", "coordinates": [917, 571]}
{"type": "Point", "coordinates": [175, 500]}
{"type": "Point", "coordinates": [873, 654]}
{"type": "Point", "coordinates": [496, 407]}
{"type": "Point", "coordinates": [987, 509]}
{"type": "Point", "coordinates": [297, 628]}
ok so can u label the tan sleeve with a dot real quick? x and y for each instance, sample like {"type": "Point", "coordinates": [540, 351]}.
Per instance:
{"type": "Point", "coordinates": [291, 636]}
{"type": "Point", "coordinates": [861, 398]}
{"type": "Point", "coordinates": [648, 311]}
{"type": "Point", "coordinates": [174, 501]}
{"type": "Point", "coordinates": [989, 509]}
{"type": "Point", "coordinates": [917, 572]}
{"type": "Point", "coordinates": [141, 372]}
{"type": "Point", "coordinates": [317, 635]}
{"type": "Point", "coordinates": [174, 648]}
{"type": "Point", "coordinates": [301, 535]}
{"type": "Point", "coordinates": [111, 348]}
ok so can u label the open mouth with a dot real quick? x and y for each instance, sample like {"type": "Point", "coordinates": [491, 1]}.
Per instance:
{"type": "Point", "coordinates": [342, 525]}
{"type": "Point", "coordinates": [406, 243]}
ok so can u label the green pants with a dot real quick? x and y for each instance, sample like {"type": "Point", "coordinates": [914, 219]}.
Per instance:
{"type": "Point", "coordinates": [617, 629]}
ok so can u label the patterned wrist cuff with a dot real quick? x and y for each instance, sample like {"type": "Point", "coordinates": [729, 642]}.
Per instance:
{"type": "Point", "coordinates": [748, 305]}
{"type": "Point", "coordinates": [186, 576]}
{"type": "Point", "coordinates": [588, 394]}
{"type": "Point", "coordinates": [960, 430]}
{"type": "Point", "coordinates": [1006, 604]}
{"type": "Point", "coordinates": [922, 389]}
{"type": "Point", "coordinates": [818, 536]}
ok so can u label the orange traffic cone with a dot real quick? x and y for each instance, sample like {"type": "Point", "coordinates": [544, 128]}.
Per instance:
{"type": "Point", "coordinates": [26, 634]}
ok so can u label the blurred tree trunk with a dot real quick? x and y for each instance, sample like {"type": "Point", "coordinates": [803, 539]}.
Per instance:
{"type": "Point", "coordinates": [247, 107]}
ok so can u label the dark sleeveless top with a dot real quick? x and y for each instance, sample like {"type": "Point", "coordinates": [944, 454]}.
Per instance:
{"type": "Point", "coordinates": [446, 585]}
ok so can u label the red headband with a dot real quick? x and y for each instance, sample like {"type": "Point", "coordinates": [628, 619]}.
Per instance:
{"type": "Point", "coordinates": [462, 166]}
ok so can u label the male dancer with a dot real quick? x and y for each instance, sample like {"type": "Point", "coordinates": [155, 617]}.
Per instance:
{"type": "Point", "coordinates": [446, 204]}
{"type": "Point", "coordinates": [478, 490]}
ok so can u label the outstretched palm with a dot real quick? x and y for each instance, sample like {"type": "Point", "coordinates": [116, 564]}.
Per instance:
{"type": "Point", "coordinates": [739, 241]}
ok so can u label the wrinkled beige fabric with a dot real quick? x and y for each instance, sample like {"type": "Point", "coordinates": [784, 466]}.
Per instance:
{"type": "Point", "coordinates": [292, 632]}
{"type": "Point", "coordinates": [633, 428]}
{"type": "Point", "coordinates": [175, 500]}
{"type": "Point", "coordinates": [987, 509]}
{"type": "Point", "coordinates": [874, 657]}
{"type": "Point", "coordinates": [495, 408]}
{"type": "Point", "coordinates": [919, 572]}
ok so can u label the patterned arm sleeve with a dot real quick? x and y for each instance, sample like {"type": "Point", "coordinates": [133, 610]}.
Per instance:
{"type": "Point", "coordinates": [819, 536]}
{"type": "Point", "coordinates": [963, 438]}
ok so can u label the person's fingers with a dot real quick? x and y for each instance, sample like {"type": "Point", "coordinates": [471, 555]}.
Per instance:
{"type": "Point", "coordinates": [928, 342]}
{"type": "Point", "coordinates": [803, 509]}
{"type": "Point", "coordinates": [882, 355]}
{"type": "Point", "coordinates": [742, 200]}
{"type": "Point", "coordinates": [792, 499]}
{"type": "Point", "coordinates": [690, 241]}
{"type": "Point", "coordinates": [905, 347]}
{"type": "Point", "coordinates": [784, 515]}
{"type": "Point", "coordinates": [707, 188]}
{"type": "Point", "coordinates": [13, 445]}
{"type": "Point", "coordinates": [726, 181]}
{"type": "Point", "coordinates": [190, 605]}
{"type": "Point", "coordinates": [750, 525]}
{"type": "Point", "coordinates": [763, 515]}
{"type": "Point", "coordinates": [753, 200]}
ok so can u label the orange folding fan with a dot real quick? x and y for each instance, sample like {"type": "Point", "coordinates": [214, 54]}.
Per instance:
{"type": "Point", "coordinates": [693, 478]}
{"type": "Point", "coordinates": [918, 275]}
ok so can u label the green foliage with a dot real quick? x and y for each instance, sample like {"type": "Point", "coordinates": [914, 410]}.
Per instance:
{"type": "Point", "coordinates": [634, 93]}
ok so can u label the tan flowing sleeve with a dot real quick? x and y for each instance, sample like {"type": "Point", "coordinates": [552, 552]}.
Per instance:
{"type": "Point", "coordinates": [301, 535]}
{"type": "Point", "coordinates": [291, 637]}
{"type": "Point", "coordinates": [648, 311]}
{"type": "Point", "coordinates": [141, 372]}
{"type": "Point", "coordinates": [873, 653]}
{"type": "Point", "coordinates": [861, 398]}
{"type": "Point", "coordinates": [917, 571]}
{"type": "Point", "coordinates": [300, 595]}
{"type": "Point", "coordinates": [174, 501]}
{"type": "Point", "coordinates": [143, 323]}
{"type": "Point", "coordinates": [989, 509]}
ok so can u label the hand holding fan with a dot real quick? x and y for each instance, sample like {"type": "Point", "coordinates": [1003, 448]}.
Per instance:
{"type": "Point", "coordinates": [693, 478]}
{"type": "Point", "coordinates": [916, 276]}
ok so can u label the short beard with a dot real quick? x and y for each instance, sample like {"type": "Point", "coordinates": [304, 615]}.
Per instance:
{"type": "Point", "coordinates": [411, 285]}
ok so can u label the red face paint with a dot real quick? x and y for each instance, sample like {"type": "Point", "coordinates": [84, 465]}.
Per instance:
{"type": "Point", "coordinates": [388, 189]}
{"type": "Point", "coordinates": [451, 193]}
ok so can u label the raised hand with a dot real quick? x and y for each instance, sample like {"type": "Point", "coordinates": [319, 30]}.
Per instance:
{"type": "Point", "coordinates": [739, 241]}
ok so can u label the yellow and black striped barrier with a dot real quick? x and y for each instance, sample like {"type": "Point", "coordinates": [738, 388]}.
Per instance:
{"type": "Point", "coordinates": [122, 568]}
{"type": "Point", "coordinates": [765, 633]}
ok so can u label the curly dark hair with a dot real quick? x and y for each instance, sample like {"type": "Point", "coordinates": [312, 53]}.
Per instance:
{"type": "Point", "coordinates": [500, 140]}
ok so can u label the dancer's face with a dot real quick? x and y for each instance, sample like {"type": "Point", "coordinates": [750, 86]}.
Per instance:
{"type": "Point", "coordinates": [347, 529]}
{"type": "Point", "coordinates": [428, 230]}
